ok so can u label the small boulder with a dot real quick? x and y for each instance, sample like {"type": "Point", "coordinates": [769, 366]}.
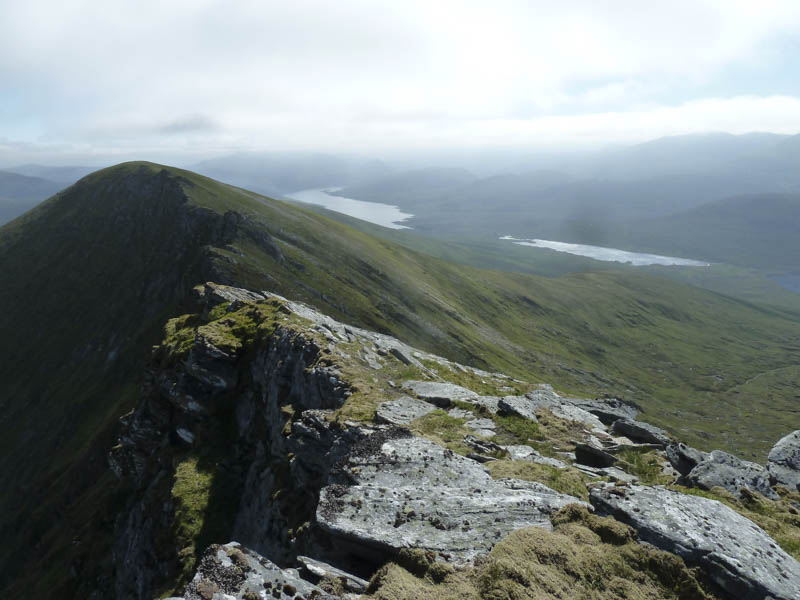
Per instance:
{"type": "Point", "coordinates": [783, 462]}
{"type": "Point", "coordinates": [440, 393]}
{"type": "Point", "coordinates": [734, 474]}
{"type": "Point", "coordinates": [520, 406]}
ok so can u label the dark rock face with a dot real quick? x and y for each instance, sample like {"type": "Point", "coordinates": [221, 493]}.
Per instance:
{"type": "Point", "coordinates": [641, 432]}
{"type": "Point", "coordinates": [178, 407]}
{"type": "Point", "coordinates": [734, 474]}
{"type": "Point", "coordinates": [783, 462]}
{"type": "Point", "coordinates": [737, 554]}
{"type": "Point", "coordinates": [589, 455]}
{"type": "Point", "coordinates": [407, 492]}
{"type": "Point", "coordinates": [684, 458]}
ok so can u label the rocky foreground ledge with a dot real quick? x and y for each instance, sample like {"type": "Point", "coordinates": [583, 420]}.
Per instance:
{"type": "Point", "coordinates": [345, 463]}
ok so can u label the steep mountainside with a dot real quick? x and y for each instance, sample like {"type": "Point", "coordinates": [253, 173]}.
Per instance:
{"type": "Point", "coordinates": [88, 278]}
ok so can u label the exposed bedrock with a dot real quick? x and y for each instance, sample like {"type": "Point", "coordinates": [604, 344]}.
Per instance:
{"type": "Point", "coordinates": [737, 554]}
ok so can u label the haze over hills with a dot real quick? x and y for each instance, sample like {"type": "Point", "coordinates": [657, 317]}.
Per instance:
{"type": "Point", "coordinates": [19, 193]}
{"type": "Point", "coordinates": [126, 245]}
{"type": "Point", "coordinates": [279, 173]}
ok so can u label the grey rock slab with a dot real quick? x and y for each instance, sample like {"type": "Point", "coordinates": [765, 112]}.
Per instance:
{"type": "Point", "coordinates": [402, 411]}
{"type": "Point", "coordinates": [214, 293]}
{"type": "Point", "coordinates": [490, 403]}
{"type": "Point", "coordinates": [607, 410]}
{"type": "Point", "coordinates": [411, 493]}
{"type": "Point", "coordinates": [519, 406]}
{"type": "Point", "coordinates": [526, 453]}
{"type": "Point", "coordinates": [564, 408]}
{"type": "Point", "coordinates": [612, 472]}
{"type": "Point", "coordinates": [734, 474]}
{"type": "Point", "coordinates": [440, 393]}
{"type": "Point", "coordinates": [319, 570]}
{"type": "Point", "coordinates": [738, 555]}
{"type": "Point", "coordinates": [233, 571]}
{"type": "Point", "coordinates": [783, 462]}
{"type": "Point", "coordinates": [520, 452]}
{"type": "Point", "coordinates": [482, 427]}
{"type": "Point", "coordinates": [641, 432]}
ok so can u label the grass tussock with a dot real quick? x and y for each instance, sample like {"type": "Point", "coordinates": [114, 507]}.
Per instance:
{"type": "Point", "coordinates": [647, 466]}
{"type": "Point", "coordinates": [443, 429]}
{"type": "Point", "coordinates": [567, 481]}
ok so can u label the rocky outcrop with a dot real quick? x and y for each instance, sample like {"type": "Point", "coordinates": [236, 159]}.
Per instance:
{"type": "Point", "coordinates": [252, 394]}
{"type": "Point", "coordinates": [783, 462]}
{"type": "Point", "coordinates": [399, 491]}
{"type": "Point", "coordinates": [707, 470]}
{"type": "Point", "coordinates": [735, 553]}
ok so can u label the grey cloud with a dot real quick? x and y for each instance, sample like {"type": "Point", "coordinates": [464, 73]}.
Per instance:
{"type": "Point", "coordinates": [188, 124]}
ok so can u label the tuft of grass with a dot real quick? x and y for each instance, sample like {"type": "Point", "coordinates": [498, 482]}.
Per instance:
{"type": "Point", "coordinates": [647, 466]}
{"type": "Point", "coordinates": [568, 481]}
{"type": "Point", "coordinates": [443, 429]}
{"type": "Point", "coordinates": [190, 493]}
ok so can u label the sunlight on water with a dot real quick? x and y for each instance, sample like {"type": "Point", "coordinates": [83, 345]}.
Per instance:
{"type": "Point", "coordinates": [607, 254]}
{"type": "Point", "coordinates": [374, 212]}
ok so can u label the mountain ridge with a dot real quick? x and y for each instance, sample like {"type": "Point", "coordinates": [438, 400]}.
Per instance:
{"type": "Point", "coordinates": [120, 251]}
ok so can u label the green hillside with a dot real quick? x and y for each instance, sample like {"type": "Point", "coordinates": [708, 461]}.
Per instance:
{"type": "Point", "coordinates": [88, 278]}
{"type": "Point", "coordinates": [757, 231]}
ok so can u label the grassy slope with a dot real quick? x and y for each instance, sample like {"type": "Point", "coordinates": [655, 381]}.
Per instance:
{"type": "Point", "coordinates": [672, 347]}
{"type": "Point", "coordinates": [89, 277]}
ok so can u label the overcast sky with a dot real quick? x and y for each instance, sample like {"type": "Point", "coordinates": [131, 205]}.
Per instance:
{"type": "Point", "coordinates": [198, 77]}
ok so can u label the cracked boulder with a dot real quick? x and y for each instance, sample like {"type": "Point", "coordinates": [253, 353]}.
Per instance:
{"type": "Point", "coordinates": [406, 492]}
{"type": "Point", "coordinates": [740, 557]}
